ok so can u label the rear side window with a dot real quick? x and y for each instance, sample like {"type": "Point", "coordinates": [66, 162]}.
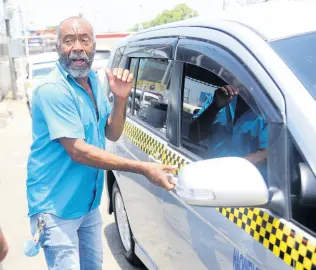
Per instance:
{"type": "Point", "coordinates": [152, 92]}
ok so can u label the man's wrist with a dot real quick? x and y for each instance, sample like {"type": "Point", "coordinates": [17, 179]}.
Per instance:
{"type": "Point", "coordinates": [142, 167]}
{"type": "Point", "coordinates": [120, 100]}
{"type": "Point", "coordinates": [139, 167]}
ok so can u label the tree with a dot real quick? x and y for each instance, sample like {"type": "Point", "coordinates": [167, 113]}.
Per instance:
{"type": "Point", "coordinates": [178, 13]}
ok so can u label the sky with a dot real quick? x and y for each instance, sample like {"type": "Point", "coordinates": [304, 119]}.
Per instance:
{"type": "Point", "coordinates": [105, 15]}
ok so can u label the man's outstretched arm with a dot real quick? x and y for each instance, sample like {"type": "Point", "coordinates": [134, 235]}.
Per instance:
{"type": "Point", "coordinates": [83, 153]}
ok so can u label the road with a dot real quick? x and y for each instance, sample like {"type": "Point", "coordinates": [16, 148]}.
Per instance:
{"type": "Point", "coordinates": [14, 144]}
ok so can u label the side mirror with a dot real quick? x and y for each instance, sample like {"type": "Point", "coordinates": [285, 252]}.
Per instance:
{"type": "Point", "coordinates": [222, 182]}
{"type": "Point", "coordinates": [307, 195]}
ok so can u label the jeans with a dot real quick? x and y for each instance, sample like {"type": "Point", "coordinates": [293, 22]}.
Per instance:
{"type": "Point", "coordinates": [73, 244]}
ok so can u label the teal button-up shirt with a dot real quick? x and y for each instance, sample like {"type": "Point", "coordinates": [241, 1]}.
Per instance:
{"type": "Point", "coordinates": [62, 108]}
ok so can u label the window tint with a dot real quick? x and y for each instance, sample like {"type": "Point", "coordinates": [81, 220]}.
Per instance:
{"type": "Point", "coordinates": [303, 190]}
{"type": "Point", "coordinates": [214, 125]}
{"type": "Point", "coordinates": [152, 92]}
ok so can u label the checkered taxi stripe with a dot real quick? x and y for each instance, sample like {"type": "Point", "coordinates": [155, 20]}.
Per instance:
{"type": "Point", "coordinates": [290, 246]}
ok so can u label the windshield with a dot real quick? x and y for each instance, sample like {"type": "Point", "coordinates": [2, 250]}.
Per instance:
{"type": "Point", "coordinates": [37, 73]}
{"type": "Point", "coordinates": [299, 53]}
{"type": "Point", "coordinates": [102, 55]}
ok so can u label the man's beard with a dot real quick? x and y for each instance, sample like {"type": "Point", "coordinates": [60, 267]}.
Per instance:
{"type": "Point", "coordinates": [76, 64]}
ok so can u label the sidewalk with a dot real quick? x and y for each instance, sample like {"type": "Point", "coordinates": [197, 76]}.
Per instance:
{"type": "Point", "coordinates": [15, 141]}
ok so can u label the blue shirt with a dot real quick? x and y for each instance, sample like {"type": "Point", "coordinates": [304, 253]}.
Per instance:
{"type": "Point", "coordinates": [247, 135]}
{"type": "Point", "coordinates": [62, 108]}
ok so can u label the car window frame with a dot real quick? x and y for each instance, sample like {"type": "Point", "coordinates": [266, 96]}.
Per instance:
{"type": "Point", "coordinates": [280, 207]}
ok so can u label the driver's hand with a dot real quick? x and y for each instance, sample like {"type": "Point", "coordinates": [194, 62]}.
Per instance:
{"type": "Point", "coordinates": [224, 95]}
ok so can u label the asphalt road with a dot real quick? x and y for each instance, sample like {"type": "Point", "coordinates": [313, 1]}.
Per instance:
{"type": "Point", "coordinates": [15, 139]}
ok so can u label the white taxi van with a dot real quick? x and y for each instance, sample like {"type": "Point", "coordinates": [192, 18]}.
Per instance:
{"type": "Point", "coordinates": [232, 208]}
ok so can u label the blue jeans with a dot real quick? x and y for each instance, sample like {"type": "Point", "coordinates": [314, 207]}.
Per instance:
{"type": "Point", "coordinates": [72, 244]}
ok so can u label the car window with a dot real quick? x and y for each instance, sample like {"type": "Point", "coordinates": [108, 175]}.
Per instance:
{"type": "Point", "coordinates": [299, 54]}
{"type": "Point", "coordinates": [303, 190]}
{"type": "Point", "coordinates": [38, 73]}
{"type": "Point", "coordinates": [152, 92]}
{"type": "Point", "coordinates": [212, 131]}
{"type": "Point", "coordinates": [132, 69]}
{"type": "Point", "coordinates": [102, 55]}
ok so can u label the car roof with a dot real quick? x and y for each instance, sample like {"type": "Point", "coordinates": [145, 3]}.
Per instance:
{"type": "Point", "coordinates": [271, 20]}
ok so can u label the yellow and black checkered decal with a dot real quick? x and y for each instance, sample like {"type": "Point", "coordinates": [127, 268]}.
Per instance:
{"type": "Point", "coordinates": [286, 243]}
{"type": "Point", "coordinates": [152, 146]}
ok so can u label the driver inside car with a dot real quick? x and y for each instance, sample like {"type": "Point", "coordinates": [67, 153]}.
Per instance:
{"type": "Point", "coordinates": [228, 126]}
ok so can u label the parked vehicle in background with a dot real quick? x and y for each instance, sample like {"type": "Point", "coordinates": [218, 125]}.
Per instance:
{"type": "Point", "coordinates": [38, 66]}
{"type": "Point", "coordinates": [225, 213]}
{"type": "Point", "coordinates": [100, 62]}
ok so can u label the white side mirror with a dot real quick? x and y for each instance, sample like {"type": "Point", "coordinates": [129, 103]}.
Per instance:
{"type": "Point", "coordinates": [222, 182]}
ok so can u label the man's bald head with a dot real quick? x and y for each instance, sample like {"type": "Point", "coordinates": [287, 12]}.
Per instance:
{"type": "Point", "coordinates": [75, 21]}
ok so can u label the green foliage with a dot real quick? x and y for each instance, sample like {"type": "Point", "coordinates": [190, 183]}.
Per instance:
{"type": "Point", "coordinates": [178, 13]}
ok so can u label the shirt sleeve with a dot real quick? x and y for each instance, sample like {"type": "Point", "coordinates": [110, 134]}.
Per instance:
{"type": "Point", "coordinates": [59, 111]}
{"type": "Point", "coordinates": [207, 103]}
{"type": "Point", "coordinates": [263, 134]}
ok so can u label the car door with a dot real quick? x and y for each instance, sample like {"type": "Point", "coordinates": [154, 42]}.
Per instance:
{"type": "Point", "coordinates": [223, 238]}
{"type": "Point", "coordinates": [147, 122]}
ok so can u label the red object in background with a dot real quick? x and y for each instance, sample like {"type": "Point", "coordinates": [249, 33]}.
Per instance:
{"type": "Point", "coordinates": [112, 35]}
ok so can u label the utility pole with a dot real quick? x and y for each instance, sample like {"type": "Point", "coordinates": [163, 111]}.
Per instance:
{"type": "Point", "coordinates": [11, 61]}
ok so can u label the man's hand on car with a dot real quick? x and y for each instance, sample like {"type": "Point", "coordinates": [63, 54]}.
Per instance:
{"type": "Point", "coordinates": [224, 95]}
{"type": "Point", "coordinates": [121, 82]}
{"type": "Point", "coordinates": [157, 174]}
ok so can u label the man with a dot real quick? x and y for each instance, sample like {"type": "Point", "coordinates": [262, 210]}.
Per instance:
{"type": "Point", "coordinates": [3, 247]}
{"type": "Point", "coordinates": [230, 128]}
{"type": "Point", "coordinates": [71, 118]}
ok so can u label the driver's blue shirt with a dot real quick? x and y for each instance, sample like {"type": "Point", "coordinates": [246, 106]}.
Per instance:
{"type": "Point", "coordinates": [247, 135]}
{"type": "Point", "coordinates": [61, 108]}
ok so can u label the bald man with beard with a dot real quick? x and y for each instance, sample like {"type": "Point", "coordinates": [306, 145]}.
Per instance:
{"type": "Point", "coordinates": [71, 117]}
